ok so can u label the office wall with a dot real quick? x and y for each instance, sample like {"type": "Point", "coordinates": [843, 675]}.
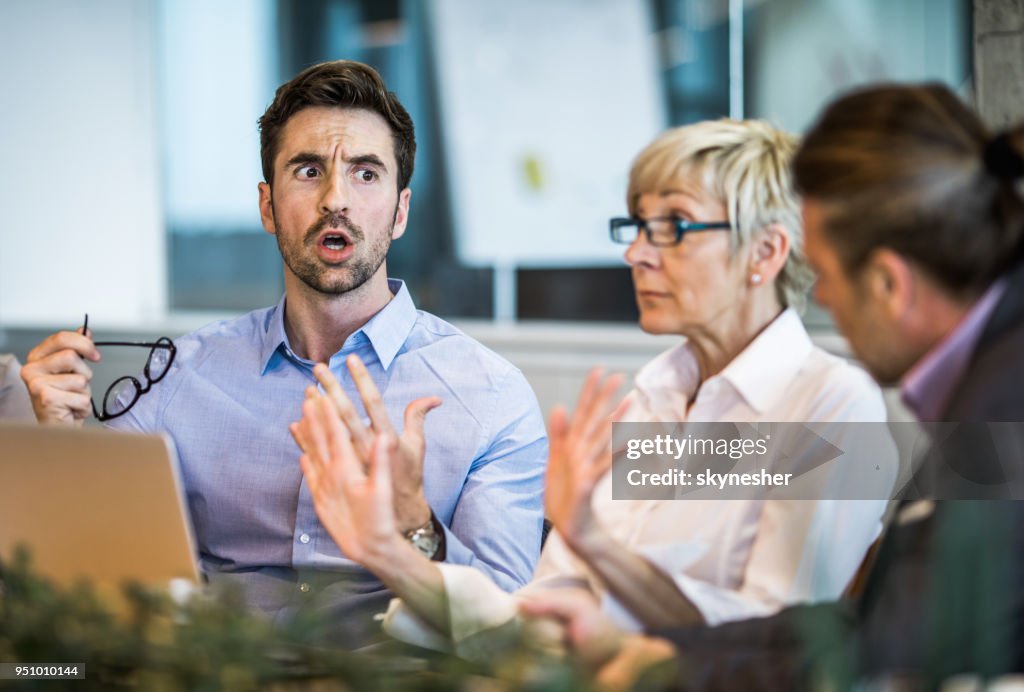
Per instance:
{"type": "Point", "coordinates": [82, 225]}
{"type": "Point", "coordinates": [999, 61]}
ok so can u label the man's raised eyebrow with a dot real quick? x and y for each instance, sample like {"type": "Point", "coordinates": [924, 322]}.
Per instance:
{"type": "Point", "coordinates": [306, 157]}
{"type": "Point", "coordinates": [309, 157]}
{"type": "Point", "coordinates": [372, 159]}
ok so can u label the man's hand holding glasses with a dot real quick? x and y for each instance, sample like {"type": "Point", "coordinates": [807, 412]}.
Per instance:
{"type": "Point", "coordinates": [58, 376]}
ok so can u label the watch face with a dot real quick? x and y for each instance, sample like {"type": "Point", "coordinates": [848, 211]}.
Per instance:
{"type": "Point", "coordinates": [425, 542]}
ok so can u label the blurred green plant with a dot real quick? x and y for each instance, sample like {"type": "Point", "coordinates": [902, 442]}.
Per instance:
{"type": "Point", "coordinates": [211, 642]}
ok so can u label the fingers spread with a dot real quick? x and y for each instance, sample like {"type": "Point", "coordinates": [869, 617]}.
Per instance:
{"type": "Point", "coordinates": [619, 411]}
{"type": "Point", "coordinates": [592, 450]}
{"type": "Point", "coordinates": [349, 465]}
{"type": "Point", "coordinates": [298, 432]}
{"type": "Point", "coordinates": [598, 414]}
{"type": "Point", "coordinates": [558, 427]}
{"type": "Point", "coordinates": [312, 473]}
{"type": "Point", "coordinates": [345, 408]}
{"type": "Point", "coordinates": [587, 399]}
{"type": "Point", "coordinates": [370, 395]}
{"type": "Point", "coordinates": [416, 414]}
{"type": "Point", "coordinates": [314, 434]}
{"type": "Point", "coordinates": [384, 448]}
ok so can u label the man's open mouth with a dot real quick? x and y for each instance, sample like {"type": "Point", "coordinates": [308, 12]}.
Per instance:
{"type": "Point", "coordinates": [334, 242]}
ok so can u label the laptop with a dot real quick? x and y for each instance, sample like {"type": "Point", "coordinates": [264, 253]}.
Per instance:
{"type": "Point", "coordinates": [94, 503]}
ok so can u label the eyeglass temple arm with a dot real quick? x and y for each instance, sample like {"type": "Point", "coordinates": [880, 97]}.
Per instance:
{"type": "Point", "coordinates": [148, 344]}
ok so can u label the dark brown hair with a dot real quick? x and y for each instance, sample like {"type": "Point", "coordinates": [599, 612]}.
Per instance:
{"type": "Point", "coordinates": [904, 167]}
{"type": "Point", "coordinates": [341, 84]}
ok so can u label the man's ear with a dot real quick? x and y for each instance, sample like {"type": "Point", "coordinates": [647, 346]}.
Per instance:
{"type": "Point", "coordinates": [267, 209]}
{"type": "Point", "coordinates": [401, 214]}
{"type": "Point", "coordinates": [769, 252]}
{"type": "Point", "coordinates": [891, 282]}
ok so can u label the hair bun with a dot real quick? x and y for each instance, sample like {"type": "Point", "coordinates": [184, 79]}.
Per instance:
{"type": "Point", "coordinates": [1002, 159]}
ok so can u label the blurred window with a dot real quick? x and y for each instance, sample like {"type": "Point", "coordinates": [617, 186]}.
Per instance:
{"type": "Point", "coordinates": [219, 64]}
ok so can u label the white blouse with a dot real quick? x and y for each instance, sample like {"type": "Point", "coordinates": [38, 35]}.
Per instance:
{"type": "Point", "coordinates": [733, 559]}
{"type": "Point", "coordinates": [737, 559]}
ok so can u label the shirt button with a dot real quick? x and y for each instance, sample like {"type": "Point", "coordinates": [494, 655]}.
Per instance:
{"type": "Point", "coordinates": [304, 587]}
{"type": "Point", "coordinates": [304, 538]}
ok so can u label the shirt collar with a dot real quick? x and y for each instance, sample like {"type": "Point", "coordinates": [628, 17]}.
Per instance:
{"type": "Point", "coordinates": [927, 386]}
{"type": "Point", "coordinates": [763, 370]}
{"type": "Point", "coordinates": [760, 373]}
{"type": "Point", "coordinates": [386, 331]}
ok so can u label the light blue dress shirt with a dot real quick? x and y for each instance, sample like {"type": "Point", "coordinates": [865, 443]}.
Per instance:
{"type": "Point", "coordinates": [235, 386]}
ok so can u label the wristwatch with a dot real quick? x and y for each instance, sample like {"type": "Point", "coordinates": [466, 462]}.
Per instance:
{"type": "Point", "coordinates": [428, 539]}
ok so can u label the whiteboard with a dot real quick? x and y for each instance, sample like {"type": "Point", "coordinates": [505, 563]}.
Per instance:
{"type": "Point", "coordinates": [544, 104]}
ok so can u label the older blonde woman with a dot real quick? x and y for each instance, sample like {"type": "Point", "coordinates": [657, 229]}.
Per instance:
{"type": "Point", "coordinates": [715, 248]}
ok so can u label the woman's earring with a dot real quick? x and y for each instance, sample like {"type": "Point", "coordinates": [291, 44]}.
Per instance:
{"type": "Point", "coordinates": [755, 279]}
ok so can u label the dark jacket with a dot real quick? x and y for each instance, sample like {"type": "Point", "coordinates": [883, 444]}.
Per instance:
{"type": "Point", "coordinates": [946, 593]}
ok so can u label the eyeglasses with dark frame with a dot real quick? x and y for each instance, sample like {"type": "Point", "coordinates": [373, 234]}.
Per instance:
{"type": "Point", "coordinates": [158, 363]}
{"type": "Point", "coordinates": [662, 231]}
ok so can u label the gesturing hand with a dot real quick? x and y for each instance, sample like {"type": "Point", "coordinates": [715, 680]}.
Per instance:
{"type": "Point", "coordinates": [353, 500]}
{"type": "Point", "coordinates": [410, 504]}
{"type": "Point", "coordinates": [580, 454]}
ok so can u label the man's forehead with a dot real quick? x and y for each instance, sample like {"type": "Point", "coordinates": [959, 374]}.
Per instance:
{"type": "Point", "coordinates": [323, 129]}
{"type": "Point", "coordinates": [817, 246]}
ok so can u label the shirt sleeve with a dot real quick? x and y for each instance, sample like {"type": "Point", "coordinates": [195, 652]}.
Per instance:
{"type": "Point", "coordinates": [475, 604]}
{"type": "Point", "coordinates": [15, 403]}
{"type": "Point", "coordinates": [497, 523]}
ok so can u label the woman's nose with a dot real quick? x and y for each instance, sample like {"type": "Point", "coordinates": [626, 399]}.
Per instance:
{"type": "Point", "coordinates": [640, 251]}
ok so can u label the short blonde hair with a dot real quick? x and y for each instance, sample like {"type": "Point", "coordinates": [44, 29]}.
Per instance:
{"type": "Point", "coordinates": [746, 165]}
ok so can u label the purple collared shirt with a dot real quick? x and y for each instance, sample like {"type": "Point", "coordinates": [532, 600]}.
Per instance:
{"type": "Point", "coordinates": [927, 387]}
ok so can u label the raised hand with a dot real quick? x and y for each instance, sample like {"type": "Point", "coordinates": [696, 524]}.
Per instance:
{"type": "Point", "coordinates": [57, 378]}
{"type": "Point", "coordinates": [411, 508]}
{"type": "Point", "coordinates": [353, 497]}
{"type": "Point", "coordinates": [353, 500]}
{"type": "Point", "coordinates": [580, 454]}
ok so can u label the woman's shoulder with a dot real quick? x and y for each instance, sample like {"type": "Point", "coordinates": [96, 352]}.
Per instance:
{"type": "Point", "coordinates": [836, 389]}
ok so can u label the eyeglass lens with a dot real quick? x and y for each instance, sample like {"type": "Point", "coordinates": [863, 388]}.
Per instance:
{"type": "Point", "coordinates": [158, 362]}
{"type": "Point", "coordinates": [121, 396]}
{"type": "Point", "coordinates": [660, 231]}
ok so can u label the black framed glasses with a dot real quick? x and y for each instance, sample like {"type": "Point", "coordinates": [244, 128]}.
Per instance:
{"type": "Point", "coordinates": [125, 391]}
{"type": "Point", "coordinates": [662, 231]}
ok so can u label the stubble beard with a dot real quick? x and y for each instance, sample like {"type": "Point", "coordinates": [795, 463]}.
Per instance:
{"type": "Point", "coordinates": [302, 261]}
